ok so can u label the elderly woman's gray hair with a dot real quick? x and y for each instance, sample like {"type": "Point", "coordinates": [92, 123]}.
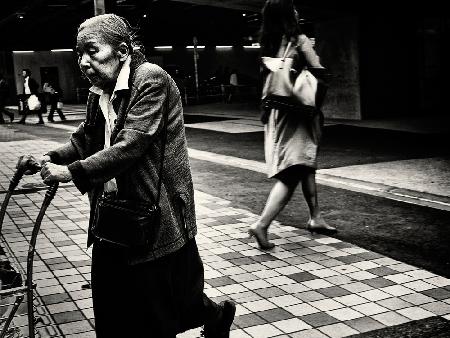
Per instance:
{"type": "Point", "coordinates": [112, 28]}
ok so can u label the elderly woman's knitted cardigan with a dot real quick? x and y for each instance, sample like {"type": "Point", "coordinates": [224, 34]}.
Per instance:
{"type": "Point", "coordinates": [134, 156]}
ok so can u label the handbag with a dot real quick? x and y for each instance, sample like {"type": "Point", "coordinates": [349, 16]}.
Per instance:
{"type": "Point", "coordinates": [59, 105]}
{"type": "Point", "coordinates": [285, 87]}
{"type": "Point", "coordinates": [130, 224]}
{"type": "Point", "coordinates": [33, 102]}
{"type": "Point", "coordinates": [126, 223]}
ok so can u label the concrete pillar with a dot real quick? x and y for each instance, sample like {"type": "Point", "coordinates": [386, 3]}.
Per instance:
{"type": "Point", "coordinates": [337, 46]}
{"type": "Point", "coordinates": [7, 68]}
{"type": "Point", "coordinates": [104, 6]}
{"type": "Point", "coordinates": [99, 7]}
{"type": "Point", "coordinates": [389, 51]}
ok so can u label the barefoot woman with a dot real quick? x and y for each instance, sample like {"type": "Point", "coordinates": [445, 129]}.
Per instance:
{"type": "Point", "coordinates": [291, 139]}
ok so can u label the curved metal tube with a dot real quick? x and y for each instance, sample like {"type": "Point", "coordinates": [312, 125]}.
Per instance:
{"type": "Point", "coordinates": [12, 185]}
{"type": "Point", "coordinates": [22, 167]}
{"type": "Point", "coordinates": [51, 191]}
{"type": "Point", "coordinates": [17, 302]}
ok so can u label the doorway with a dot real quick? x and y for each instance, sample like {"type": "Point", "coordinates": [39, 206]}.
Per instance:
{"type": "Point", "coordinates": [51, 75]}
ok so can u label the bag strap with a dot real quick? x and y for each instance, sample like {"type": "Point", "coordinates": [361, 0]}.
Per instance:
{"type": "Point", "coordinates": [121, 124]}
{"type": "Point", "coordinates": [288, 46]}
{"type": "Point", "coordinates": [286, 50]}
{"type": "Point", "coordinates": [163, 145]}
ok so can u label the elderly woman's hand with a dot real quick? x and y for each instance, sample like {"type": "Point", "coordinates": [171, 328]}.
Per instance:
{"type": "Point", "coordinates": [52, 173]}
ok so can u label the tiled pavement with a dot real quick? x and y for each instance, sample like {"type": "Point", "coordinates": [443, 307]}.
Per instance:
{"type": "Point", "coordinates": [309, 286]}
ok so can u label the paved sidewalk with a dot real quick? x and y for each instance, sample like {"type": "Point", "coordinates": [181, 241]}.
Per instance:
{"type": "Point", "coordinates": [309, 286]}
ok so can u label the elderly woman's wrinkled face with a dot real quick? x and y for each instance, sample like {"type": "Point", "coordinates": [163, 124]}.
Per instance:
{"type": "Point", "coordinates": [97, 59]}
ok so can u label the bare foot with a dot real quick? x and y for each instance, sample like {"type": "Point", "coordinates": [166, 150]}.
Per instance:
{"type": "Point", "coordinates": [318, 224]}
{"type": "Point", "coordinates": [260, 235]}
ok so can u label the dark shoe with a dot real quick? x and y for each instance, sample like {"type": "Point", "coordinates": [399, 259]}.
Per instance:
{"type": "Point", "coordinates": [2, 122]}
{"type": "Point", "coordinates": [11, 118]}
{"type": "Point", "coordinates": [40, 122]}
{"type": "Point", "coordinates": [10, 278]}
{"type": "Point", "coordinates": [86, 286]}
{"type": "Point", "coordinates": [261, 238]}
{"type": "Point", "coordinates": [50, 120]}
{"type": "Point", "coordinates": [21, 122]}
{"type": "Point", "coordinates": [220, 327]}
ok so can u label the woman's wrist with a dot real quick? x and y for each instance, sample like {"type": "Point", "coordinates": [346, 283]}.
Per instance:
{"type": "Point", "coordinates": [44, 159]}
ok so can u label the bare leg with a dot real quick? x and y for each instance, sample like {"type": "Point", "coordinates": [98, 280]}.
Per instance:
{"type": "Point", "coordinates": [279, 196]}
{"type": "Point", "coordinates": [309, 188]}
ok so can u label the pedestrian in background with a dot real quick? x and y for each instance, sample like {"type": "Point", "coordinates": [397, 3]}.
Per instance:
{"type": "Point", "coordinates": [46, 91]}
{"type": "Point", "coordinates": [225, 83]}
{"type": "Point", "coordinates": [181, 85]}
{"type": "Point", "coordinates": [55, 97]}
{"type": "Point", "coordinates": [291, 140]}
{"type": "Point", "coordinates": [30, 87]}
{"type": "Point", "coordinates": [4, 92]}
{"type": "Point", "coordinates": [233, 84]}
{"type": "Point", "coordinates": [117, 152]}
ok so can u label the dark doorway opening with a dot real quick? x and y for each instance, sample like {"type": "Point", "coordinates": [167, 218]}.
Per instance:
{"type": "Point", "coordinates": [50, 75]}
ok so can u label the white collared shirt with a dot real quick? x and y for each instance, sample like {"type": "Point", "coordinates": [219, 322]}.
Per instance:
{"type": "Point", "coordinates": [26, 86]}
{"type": "Point", "coordinates": [107, 108]}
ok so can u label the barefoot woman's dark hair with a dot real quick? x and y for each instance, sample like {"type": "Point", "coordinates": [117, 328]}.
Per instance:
{"type": "Point", "coordinates": [278, 19]}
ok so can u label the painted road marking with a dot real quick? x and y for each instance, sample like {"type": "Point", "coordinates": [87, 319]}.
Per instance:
{"type": "Point", "coordinates": [327, 179]}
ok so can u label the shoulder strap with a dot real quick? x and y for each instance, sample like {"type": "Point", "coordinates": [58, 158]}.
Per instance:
{"type": "Point", "coordinates": [163, 143]}
{"type": "Point", "coordinates": [287, 50]}
{"type": "Point", "coordinates": [92, 108]}
{"type": "Point", "coordinates": [121, 124]}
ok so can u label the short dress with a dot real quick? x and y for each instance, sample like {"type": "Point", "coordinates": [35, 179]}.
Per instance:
{"type": "Point", "coordinates": [290, 138]}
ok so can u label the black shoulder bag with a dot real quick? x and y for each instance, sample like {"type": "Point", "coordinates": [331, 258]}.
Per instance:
{"type": "Point", "coordinates": [130, 224]}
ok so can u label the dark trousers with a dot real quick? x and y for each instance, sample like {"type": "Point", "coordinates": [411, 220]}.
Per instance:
{"type": "Point", "coordinates": [4, 111]}
{"type": "Point", "coordinates": [155, 299]}
{"type": "Point", "coordinates": [54, 106]}
{"type": "Point", "coordinates": [231, 92]}
{"type": "Point", "coordinates": [26, 111]}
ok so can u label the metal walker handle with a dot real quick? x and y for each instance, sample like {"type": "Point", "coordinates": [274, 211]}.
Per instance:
{"type": "Point", "coordinates": [12, 185]}
{"type": "Point", "coordinates": [14, 182]}
{"type": "Point", "coordinates": [51, 191]}
{"type": "Point", "coordinates": [49, 195]}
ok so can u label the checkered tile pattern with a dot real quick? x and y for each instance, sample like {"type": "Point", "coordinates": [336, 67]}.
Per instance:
{"type": "Point", "coordinates": [308, 286]}
{"type": "Point", "coordinates": [62, 264]}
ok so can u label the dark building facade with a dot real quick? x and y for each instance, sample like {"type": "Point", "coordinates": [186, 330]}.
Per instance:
{"type": "Point", "coordinates": [387, 59]}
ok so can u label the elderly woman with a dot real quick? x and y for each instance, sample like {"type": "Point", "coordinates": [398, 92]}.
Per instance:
{"type": "Point", "coordinates": [134, 122]}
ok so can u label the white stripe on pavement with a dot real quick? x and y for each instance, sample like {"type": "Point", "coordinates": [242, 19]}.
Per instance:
{"type": "Point", "coordinates": [368, 188]}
